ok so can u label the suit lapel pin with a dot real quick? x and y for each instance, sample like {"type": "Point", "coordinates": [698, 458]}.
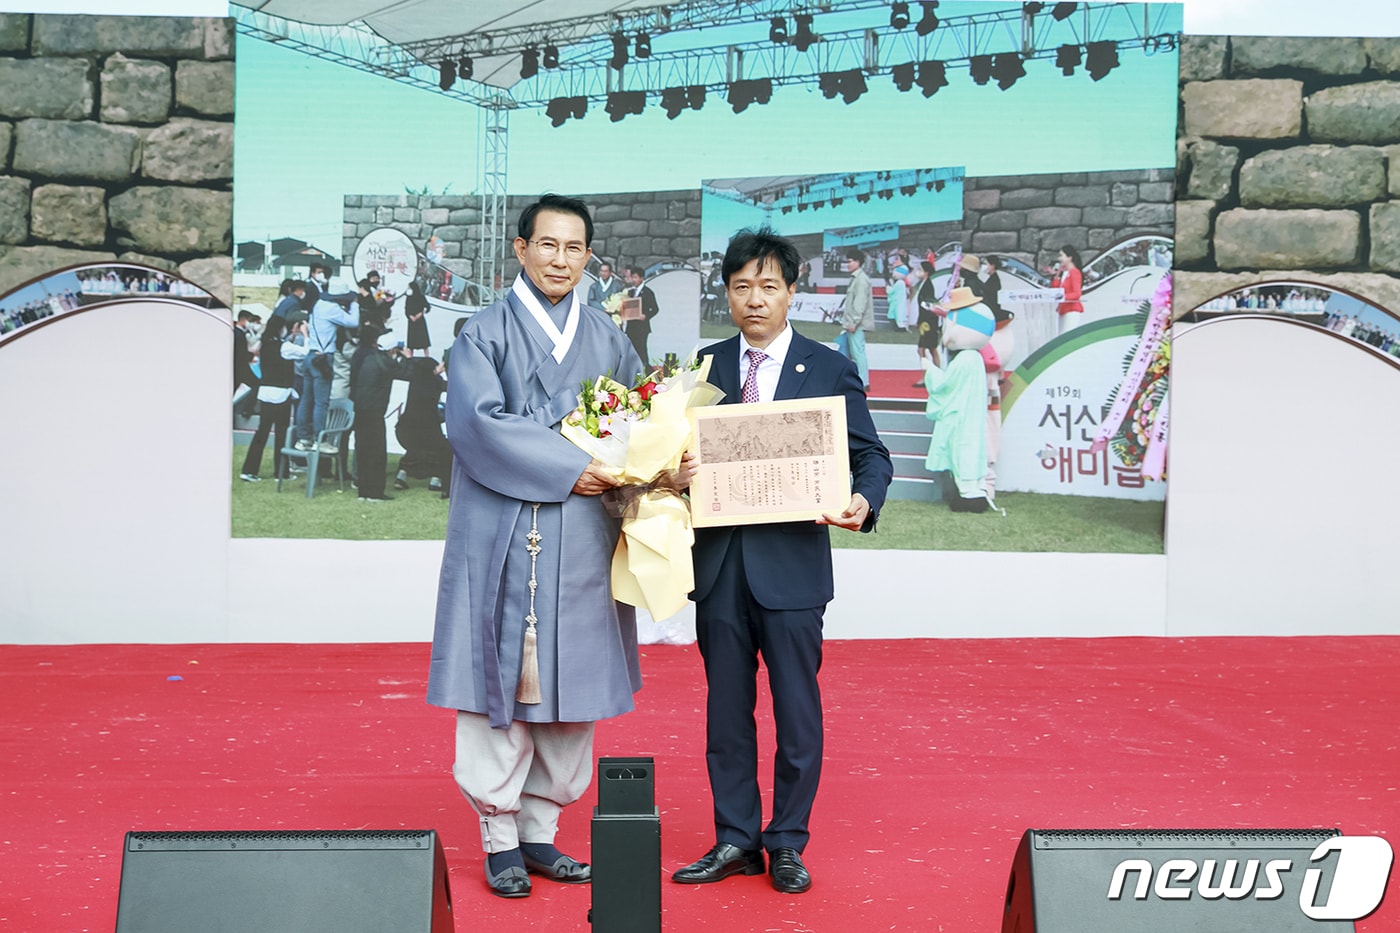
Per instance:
{"type": "Point", "coordinates": [801, 367]}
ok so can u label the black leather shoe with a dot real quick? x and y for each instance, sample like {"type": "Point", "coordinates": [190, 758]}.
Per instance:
{"type": "Point", "coordinates": [789, 874]}
{"type": "Point", "coordinates": [721, 862]}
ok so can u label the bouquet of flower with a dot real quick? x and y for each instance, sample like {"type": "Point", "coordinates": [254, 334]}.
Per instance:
{"type": "Point", "coordinates": [639, 434]}
{"type": "Point", "coordinates": [613, 305]}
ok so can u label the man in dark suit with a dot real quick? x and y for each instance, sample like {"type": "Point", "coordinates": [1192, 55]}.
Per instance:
{"type": "Point", "coordinates": [762, 589]}
{"type": "Point", "coordinates": [639, 330]}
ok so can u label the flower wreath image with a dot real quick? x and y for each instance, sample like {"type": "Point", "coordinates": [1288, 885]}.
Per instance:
{"type": "Point", "coordinates": [639, 435]}
{"type": "Point", "coordinates": [1136, 425]}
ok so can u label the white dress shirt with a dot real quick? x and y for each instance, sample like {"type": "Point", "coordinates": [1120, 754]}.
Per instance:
{"type": "Point", "coordinates": [770, 369]}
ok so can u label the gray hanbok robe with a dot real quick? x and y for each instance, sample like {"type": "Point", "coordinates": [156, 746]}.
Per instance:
{"type": "Point", "coordinates": [506, 397]}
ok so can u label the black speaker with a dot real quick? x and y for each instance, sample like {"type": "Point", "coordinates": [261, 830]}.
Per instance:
{"type": "Point", "coordinates": [1165, 881]}
{"type": "Point", "coordinates": [372, 881]}
{"type": "Point", "coordinates": [626, 848]}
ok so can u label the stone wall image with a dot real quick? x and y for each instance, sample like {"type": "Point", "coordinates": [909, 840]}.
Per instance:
{"type": "Point", "coordinates": [116, 143]}
{"type": "Point", "coordinates": [1288, 165]}
{"type": "Point", "coordinates": [638, 228]}
{"type": "Point", "coordinates": [1030, 217]}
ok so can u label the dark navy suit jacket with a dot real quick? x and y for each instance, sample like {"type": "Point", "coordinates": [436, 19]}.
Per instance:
{"type": "Point", "coordinates": [788, 564]}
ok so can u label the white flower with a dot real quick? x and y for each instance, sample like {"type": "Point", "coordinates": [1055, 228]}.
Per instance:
{"type": "Point", "coordinates": [600, 397]}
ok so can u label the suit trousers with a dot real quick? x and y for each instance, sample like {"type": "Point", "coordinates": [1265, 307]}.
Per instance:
{"type": "Point", "coordinates": [733, 629]}
{"type": "Point", "coordinates": [519, 779]}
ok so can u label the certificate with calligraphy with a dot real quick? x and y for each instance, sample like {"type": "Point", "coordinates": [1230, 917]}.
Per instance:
{"type": "Point", "coordinates": [770, 462]}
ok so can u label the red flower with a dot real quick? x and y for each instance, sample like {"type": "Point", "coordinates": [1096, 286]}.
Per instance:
{"type": "Point", "coordinates": [646, 390]}
{"type": "Point", "coordinates": [612, 402]}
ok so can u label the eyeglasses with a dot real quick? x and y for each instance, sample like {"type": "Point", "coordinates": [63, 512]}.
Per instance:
{"type": "Point", "coordinates": [548, 249]}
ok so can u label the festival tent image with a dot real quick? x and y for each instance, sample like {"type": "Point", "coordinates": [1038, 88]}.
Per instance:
{"type": "Point", "coordinates": [1162, 644]}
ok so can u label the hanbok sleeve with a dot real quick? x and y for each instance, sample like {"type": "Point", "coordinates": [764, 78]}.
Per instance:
{"type": "Point", "coordinates": [511, 454]}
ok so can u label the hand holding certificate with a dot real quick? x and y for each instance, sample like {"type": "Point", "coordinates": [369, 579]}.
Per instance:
{"type": "Point", "coordinates": [640, 435]}
{"type": "Point", "coordinates": [772, 462]}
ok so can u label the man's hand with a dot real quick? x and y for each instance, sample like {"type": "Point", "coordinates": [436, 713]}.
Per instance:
{"type": "Point", "coordinates": [853, 518]}
{"type": "Point", "coordinates": [594, 480]}
{"type": "Point", "coordinates": [685, 473]}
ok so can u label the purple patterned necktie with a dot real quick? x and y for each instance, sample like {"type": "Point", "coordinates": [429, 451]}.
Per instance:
{"type": "Point", "coordinates": [750, 393]}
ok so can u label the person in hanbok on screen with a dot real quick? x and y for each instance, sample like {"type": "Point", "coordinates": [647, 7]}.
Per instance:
{"type": "Point", "coordinates": [529, 646]}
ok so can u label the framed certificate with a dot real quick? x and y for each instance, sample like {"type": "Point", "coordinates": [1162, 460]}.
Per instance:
{"type": "Point", "coordinates": [770, 462]}
{"type": "Point", "coordinates": [631, 309]}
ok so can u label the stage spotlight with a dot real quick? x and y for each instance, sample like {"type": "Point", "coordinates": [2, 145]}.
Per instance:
{"type": "Point", "coordinates": [673, 101]}
{"type": "Point", "coordinates": [903, 76]}
{"type": "Point", "coordinates": [1102, 58]}
{"type": "Point", "coordinates": [980, 67]}
{"type": "Point", "coordinates": [863, 198]}
{"type": "Point", "coordinates": [801, 207]}
{"type": "Point", "coordinates": [804, 37]}
{"type": "Point", "coordinates": [777, 31]}
{"type": "Point", "coordinates": [787, 208]}
{"type": "Point", "coordinates": [849, 84]}
{"type": "Point", "coordinates": [695, 96]}
{"type": "Point", "coordinates": [550, 59]}
{"type": "Point", "coordinates": [464, 67]}
{"type": "Point", "coordinates": [908, 190]}
{"type": "Point", "coordinates": [929, 21]}
{"type": "Point", "coordinates": [885, 195]}
{"type": "Point", "coordinates": [818, 205]}
{"type": "Point", "coordinates": [561, 108]}
{"type": "Point", "coordinates": [625, 103]}
{"type": "Point", "coordinates": [1063, 11]}
{"type": "Point", "coordinates": [1068, 58]}
{"type": "Point", "coordinates": [749, 91]}
{"type": "Point", "coordinates": [829, 83]}
{"type": "Point", "coordinates": [836, 202]}
{"type": "Point", "coordinates": [447, 74]}
{"type": "Point", "coordinates": [643, 45]}
{"type": "Point", "coordinates": [899, 15]}
{"type": "Point", "coordinates": [529, 62]}
{"type": "Point", "coordinates": [1007, 68]}
{"type": "Point", "coordinates": [1030, 9]}
{"type": "Point", "coordinates": [932, 76]}
{"type": "Point", "coordinates": [939, 185]}
{"type": "Point", "coordinates": [619, 55]}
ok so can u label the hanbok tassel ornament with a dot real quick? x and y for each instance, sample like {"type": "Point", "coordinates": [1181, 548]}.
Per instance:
{"type": "Point", "coordinates": [528, 690]}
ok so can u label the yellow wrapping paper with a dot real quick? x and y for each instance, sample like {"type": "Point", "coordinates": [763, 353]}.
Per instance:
{"type": "Point", "coordinates": [651, 567]}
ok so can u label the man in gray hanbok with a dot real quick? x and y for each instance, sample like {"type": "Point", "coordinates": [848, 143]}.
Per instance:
{"type": "Point", "coordinates": [516, 370]}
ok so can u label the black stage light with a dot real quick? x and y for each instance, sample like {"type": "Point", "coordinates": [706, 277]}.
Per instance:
{"type": "Point", "coordinates": [908, 190]}
{"type": "Point", "coordinates": [1102, 58]}
{"type": "Point", "coordinates": [1063, 11]}
{"type": "Point", "coordinates": [1008, 68]}
{"type": "Point", "coordinates": [836, 202]}
{"type": "Point", "coordinates": [550, 59]}
{"type": "Point", "coordinates": [852, 85]}
{"type": "Point", "coordinates": [903, 75]}
{"type": "Point", "coordinates": [464, 67]}
{"type": "Point", "coordinates": [805, 37]}
{"type": "Point", "coordinates": [673, 101]}
{"type": "Point", "coordinates": [625, 103]}
{"type": "Point", "coordinates": [1030, 9]}
{"type": "Point", "coordinates": [899, 15]}
{"type": "Point", "coordinates": [801, 207]}
{"type": "Point", "coordinates": [447, 74]}
{"type": "Point", "coordinates": [932, 76]}
{"type": "Point", "coordinates": [1068, 58]}
{"type": "Point", "coordinates": [619, 55]}
{"type": "Point", "coordinates": [561, 108]}
{"type": "Point", "coordinates": [829, 83]}
{"type": "Point", "coordinates": [749, 91]}
{"type": "Point", "coordinates": [980, 67]}
{"type": "Point", "coordinates": [939, 185]}
{"type": "Point", "coordinates": [529, 62]}
{"type": "Point", "coordinates": [863, 198]}
{"type": "Point", "coordinates": [643, 45]}
{"type": "Point", "coordinates": [787, 208]}
{"type": "Point", "coordinates": [695, 96]}
{"type": "Point", "coordinates": [929, 21]}
{"type": "Point", "coordinates": [777, 31]}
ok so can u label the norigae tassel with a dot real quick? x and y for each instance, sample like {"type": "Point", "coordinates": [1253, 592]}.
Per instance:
{"type": "Point", "coordinates": [528, 691]}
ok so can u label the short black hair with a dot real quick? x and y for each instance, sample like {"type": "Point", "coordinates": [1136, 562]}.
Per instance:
{"type": "Point", "coordinates": [927, 267]}
{"type": "Point", "coordinates": [560, 205]}
{"type": "Point", "coordinates": [855, 254]}
{"type": "Point", "coordinates": [637, 271]}
{"type": "Point", "coordinates": [765, 245]}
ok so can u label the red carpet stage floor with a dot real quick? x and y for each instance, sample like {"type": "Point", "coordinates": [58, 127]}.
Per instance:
{"type": "Point", "coordinates": [939, 755]}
